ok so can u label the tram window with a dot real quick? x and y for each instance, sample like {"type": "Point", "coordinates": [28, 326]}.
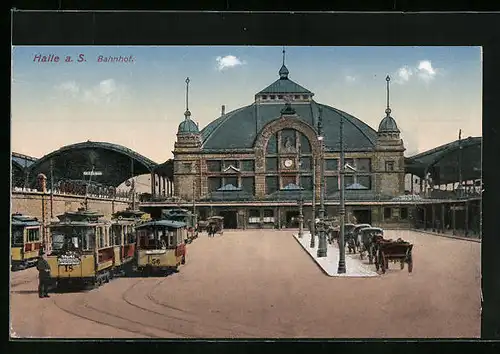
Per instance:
{"type": "Point", "coordinates": [171, 238]}
{"type": "Point", "coordinates": [88, 240]}
{"type": "Point", "coordinates": [17, 236]}
{"type": "Point", "coordinates": [162, 237]}
{"type": "Point", "coordinates": [106, 239]}
{"type": "Point", "coordinates": [33, 235]}
{"type": "Point", "coordinates": [100, 237]}
{"type": "Point", "coordinates": [57, 241]}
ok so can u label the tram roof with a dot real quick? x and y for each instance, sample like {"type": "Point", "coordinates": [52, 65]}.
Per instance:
{"type": "Point", "coordinates": [25, 223]}
{"type": "Point", "coordinates": [163, 223]}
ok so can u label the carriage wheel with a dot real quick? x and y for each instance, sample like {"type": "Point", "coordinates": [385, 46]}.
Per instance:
{"type": "Point", "coordinates": [410, 265]}
{"type": "Point", "coordinates": [402, 264]}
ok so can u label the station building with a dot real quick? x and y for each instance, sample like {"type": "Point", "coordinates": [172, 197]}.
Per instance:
{"type": "Point", "coordinates": [253, 164]}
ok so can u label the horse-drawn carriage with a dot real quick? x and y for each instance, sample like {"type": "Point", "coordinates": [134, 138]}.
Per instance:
{"type": "Point", "coordinates": [202, 225]}
{"type": "Point", "coordinates": [366, 237]}
{"type": "Point", "coordinates": [381, 251]}
{"type": "Point", "coordinates": [354, 237]}
{"type": "Point", "coordinates": [398, 251]}
{"type": "Point", "coordinates": [215, 225]}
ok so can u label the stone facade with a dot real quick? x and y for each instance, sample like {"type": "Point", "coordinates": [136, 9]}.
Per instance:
{"type": "Point", "coordinates": [193, 177]}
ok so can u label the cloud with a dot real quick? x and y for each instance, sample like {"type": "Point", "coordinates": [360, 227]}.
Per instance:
{"type": "Point", "coordinates": [350, 79]}
{"type": "Point", "coordinates": [229, 61]}
{"type": "Point", "coordinates": [70, 87]}
{"type": "Point", "coordinates": [105, 91]}
{"type": "Point", "coordinates": [404, 74]}
{"type": "Point", "coordinates": [423, 71]}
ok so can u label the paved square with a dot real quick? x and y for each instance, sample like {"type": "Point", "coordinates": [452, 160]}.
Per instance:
{"type": "Point", "coordinates": [248, 284]}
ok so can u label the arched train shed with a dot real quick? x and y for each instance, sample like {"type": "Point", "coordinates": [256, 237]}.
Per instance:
{"type": "Point", "coordinates": [449, 163]}
{"type": "Point", "coordinates": [113, 163]}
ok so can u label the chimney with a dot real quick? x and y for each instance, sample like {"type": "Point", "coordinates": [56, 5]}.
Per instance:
{"type": "Point", "coordinates": [223, 110]}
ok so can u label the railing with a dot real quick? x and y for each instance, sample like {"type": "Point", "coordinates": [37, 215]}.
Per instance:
{"type": "Point", "coordinates": [119, 195]}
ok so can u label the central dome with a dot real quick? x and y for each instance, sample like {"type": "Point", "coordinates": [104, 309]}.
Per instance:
{"type": "Point", "coordinates": [238, 130]}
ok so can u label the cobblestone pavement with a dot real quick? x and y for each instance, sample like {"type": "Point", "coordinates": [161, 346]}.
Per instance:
{"type": "Point", "coordinates": [248, 284]}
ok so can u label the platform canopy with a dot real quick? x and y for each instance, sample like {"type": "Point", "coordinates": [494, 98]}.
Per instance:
{"type": "Point", "coordinates": [447, 162]}
{"type": "Point", "coordinates": [166, 169]}
{"type": "Point", "coordinates": [105, 163]}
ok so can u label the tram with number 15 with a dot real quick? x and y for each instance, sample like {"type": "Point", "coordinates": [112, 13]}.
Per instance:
{"type": "Point", "coordinates": [82, 249]}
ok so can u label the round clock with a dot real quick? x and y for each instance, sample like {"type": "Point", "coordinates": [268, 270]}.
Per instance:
{"type": "Point", "coordinates": [288, 163]}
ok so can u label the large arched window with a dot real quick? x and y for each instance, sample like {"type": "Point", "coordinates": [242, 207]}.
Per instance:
{"type": "Point", "coordinates": [288, 161]}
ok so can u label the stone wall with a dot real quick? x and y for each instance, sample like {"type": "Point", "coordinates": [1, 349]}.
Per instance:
{"type": "Point", "coordinates": [30, 203]}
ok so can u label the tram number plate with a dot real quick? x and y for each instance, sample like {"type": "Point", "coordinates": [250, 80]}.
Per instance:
{"type": "Point", "coordinates": [68, 268]}
{"type": "Point", "coordinates": [155, 261]}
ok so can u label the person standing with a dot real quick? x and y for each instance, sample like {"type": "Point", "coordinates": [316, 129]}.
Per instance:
{"type": "Point", "coordinates": [43, 275]}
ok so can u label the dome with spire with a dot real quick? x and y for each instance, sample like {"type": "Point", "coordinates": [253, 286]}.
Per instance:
{"type": "Point", "coordinates": [188, 126]}
{"type": "Point", "coordinates": [388, 124]}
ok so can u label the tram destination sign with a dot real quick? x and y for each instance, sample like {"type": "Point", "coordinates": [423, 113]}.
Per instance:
{"type": "Point", "coordinates": [92, 173]}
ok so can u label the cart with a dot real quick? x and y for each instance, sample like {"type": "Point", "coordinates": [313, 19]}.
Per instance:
{"type": "Point", "coordinates": [396, 251]}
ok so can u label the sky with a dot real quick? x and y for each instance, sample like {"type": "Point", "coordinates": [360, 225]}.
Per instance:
{"type": "Point", "coordinates": [435, 91]}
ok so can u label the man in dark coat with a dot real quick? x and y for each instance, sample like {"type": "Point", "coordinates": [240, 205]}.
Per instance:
{"type": "Point", "coordinates": [43, 275]}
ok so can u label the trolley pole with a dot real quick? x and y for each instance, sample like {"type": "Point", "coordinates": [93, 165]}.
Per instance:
{"type": "Point", "coordinates": [342, 266]}
{"type": "Point", "coordinates": [132, 183]}
{"type": "Point", "coordinates": [86, 200]}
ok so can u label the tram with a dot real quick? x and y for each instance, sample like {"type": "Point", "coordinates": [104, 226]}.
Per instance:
{"type": "Point", "coordinates": [82, 249]}
{"type": "Point", "coordinates": [160, 245]}
{"type": "Point", "coordinates": [186, 217]}
{"type": "Point", "coordinates": [122, 235]}
{"type": "Point", "coordinates": [26, 241]}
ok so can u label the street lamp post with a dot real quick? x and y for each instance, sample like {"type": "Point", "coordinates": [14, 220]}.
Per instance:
{"type": "Point", "coordinates": [301, 201]}
{"type": "Point", "coordinates": [342, 268]}
{"type": "Point", "coordinates": [460, 187]}
{"type": "Point", "coordinates": [313, 206]}
{"type": "Point", "coordinates": [301, 216]}
{"type": "Point", "coordinates": [322, 246]}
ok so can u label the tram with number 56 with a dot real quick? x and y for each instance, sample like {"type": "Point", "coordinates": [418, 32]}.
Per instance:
{"type": "Point", "coordinates": [160, 245]}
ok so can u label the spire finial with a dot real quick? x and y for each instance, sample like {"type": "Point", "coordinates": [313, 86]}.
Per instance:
{"type": "Point", "coordinates": [388, 109]}
{"type": "Point", "coordinates": [284, 55]}
{"type": "Point", "coordinates": [187, 114]}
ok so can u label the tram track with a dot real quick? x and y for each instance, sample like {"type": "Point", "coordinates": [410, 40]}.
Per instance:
{"type": "Point", "coordinates": [184, 313]}
{"type": "Point", "coordinates": [87, 312]}
{"type": "Point", "coordinates": [228, 327]}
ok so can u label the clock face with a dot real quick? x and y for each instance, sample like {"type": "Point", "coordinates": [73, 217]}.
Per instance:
{"type": "Point", "coordinates": [288, 163]}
